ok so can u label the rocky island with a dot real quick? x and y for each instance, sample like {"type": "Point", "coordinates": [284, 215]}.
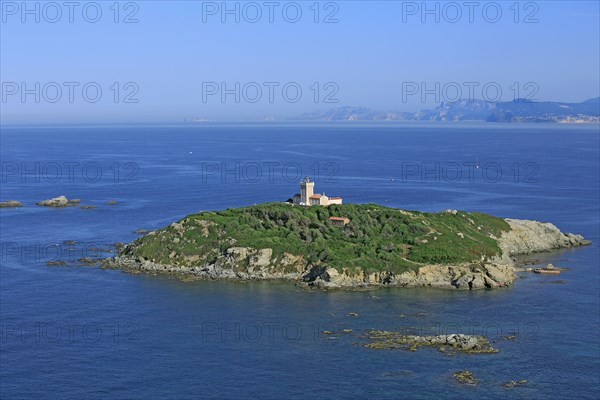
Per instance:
{"type": "Point", "coordinates": [60, 201]}
{"type": "Point", "coordinates": [343, 245]}
{"type": "Point", "coordinates": [454, 342]}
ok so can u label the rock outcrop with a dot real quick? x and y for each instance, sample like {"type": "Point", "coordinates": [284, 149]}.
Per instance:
{"type": "Point", "coordinates": [60, 201]}
{"type": "Point", "coordinates": [455, 342]}
{"type": "Point", "coordinates": [526, 237]}
{"type": "Point", "coordinates": [239, 263]}
{"type": "Point", "coordinates": [464, 277]}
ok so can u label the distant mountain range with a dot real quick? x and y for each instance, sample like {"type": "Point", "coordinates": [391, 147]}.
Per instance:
{"type": "Point", "coordinates": [474, 110]}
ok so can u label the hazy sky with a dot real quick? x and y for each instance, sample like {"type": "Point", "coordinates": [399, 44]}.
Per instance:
{"type": "Point", "coordinates": [178, 57]}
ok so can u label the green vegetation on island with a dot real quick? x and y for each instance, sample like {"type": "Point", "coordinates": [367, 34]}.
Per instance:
{"type": "Point", "coordinates": [377, 238]}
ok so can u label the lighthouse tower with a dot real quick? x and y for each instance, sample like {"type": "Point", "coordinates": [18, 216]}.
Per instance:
{"type": "Point", "coordinates": [307, 189]}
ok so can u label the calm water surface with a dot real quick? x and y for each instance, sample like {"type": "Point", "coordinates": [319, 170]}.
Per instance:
{"type": "Point", "coordinates": [82, 332]}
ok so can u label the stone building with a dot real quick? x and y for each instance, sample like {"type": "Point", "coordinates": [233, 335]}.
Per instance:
{"type": "Point", "coordinates": [339, 221]}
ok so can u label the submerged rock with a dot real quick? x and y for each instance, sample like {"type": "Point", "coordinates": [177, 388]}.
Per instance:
{"type": "Point", "coordinates": [402, 372]}
{"type": "Point", "coordinates": [87, 261]}
{"type": "Point", "coordinates": [56, 263]}
{"type": "Point", "coordinates": [100, 250]}
{"type": "Point", "coordinates": [511, 384]}
{"type": "Point", "coordinates": [10, 203]}
{"type": "Point", "coordinates": [465, 376]}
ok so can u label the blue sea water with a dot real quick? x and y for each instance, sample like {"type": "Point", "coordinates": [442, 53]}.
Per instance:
{"type": "Point", "coordinates": [83, 332]}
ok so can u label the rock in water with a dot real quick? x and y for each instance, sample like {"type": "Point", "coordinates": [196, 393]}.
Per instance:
{"type": "Point", "coordinates": [455, 341]}
{"type": "Point", "coordinates": [60, 201]}
{"type": "Point", "coordinates": [86, 261]}
{"type": "Point", "coordinates": [56, 263]}
{"type": "Point", "coordinates": [10, 203]}
{"type": "Point", "coordinates": [511, 384]}
{"type": "Point", "coordinates": [465, 376]}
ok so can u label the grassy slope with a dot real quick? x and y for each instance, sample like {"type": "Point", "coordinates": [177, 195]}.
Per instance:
{"type": "Point", "coordinates": [377, 238]}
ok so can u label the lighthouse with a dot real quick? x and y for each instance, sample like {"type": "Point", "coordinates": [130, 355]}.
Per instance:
{"type": "Point", "coordinates": [307, 196]}
{"type": "Point", "coordinates": [307, 189]}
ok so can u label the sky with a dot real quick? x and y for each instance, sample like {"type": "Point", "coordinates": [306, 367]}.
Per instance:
{"type": "Point", "coordinates": [168, 61]}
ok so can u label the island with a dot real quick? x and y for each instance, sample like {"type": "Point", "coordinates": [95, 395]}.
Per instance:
{"type": "Point", "coordinates": [342, 246]}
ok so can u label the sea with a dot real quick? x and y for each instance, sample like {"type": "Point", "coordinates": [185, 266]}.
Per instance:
{"type": "Point", "coordinates": [81, 332]}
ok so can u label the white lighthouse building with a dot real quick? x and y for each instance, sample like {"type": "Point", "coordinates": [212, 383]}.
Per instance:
{"type": "Point", "coordinates": [306, 197]}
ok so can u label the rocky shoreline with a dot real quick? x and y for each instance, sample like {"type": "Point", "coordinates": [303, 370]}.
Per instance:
{"type": "Point", "coordinates": [247, 264]}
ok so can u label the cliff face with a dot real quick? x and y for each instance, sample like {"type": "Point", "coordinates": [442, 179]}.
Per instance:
{"type": "Point", "coordinates": [226, 259]}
